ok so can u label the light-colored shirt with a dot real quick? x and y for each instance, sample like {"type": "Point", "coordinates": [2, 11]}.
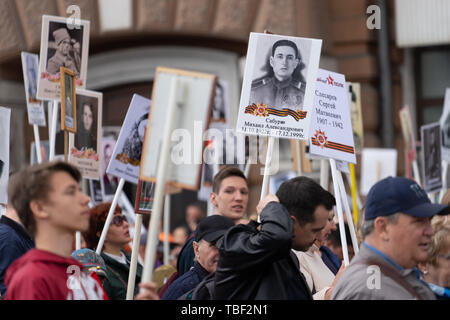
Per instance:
{"type": "Point", "coordinates": [318, 276]}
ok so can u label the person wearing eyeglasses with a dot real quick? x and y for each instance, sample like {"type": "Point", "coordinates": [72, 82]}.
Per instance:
{"type": "Point", "coordinates": [116, 259]}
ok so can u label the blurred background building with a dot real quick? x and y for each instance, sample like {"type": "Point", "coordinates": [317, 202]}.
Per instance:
{"type": "Point", "coordinates": [406, 61]}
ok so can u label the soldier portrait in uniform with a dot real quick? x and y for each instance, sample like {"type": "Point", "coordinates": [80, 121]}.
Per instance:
{"type": "Point", "coordinates": [66, 49]}
{"type": "Point", "coordinates": [63, 44]}
{"type": "Point", "coordinates": [282, 85]}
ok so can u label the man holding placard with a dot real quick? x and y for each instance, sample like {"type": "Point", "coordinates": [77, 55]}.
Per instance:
{"type": "Point", "coordinates": [256, 261]}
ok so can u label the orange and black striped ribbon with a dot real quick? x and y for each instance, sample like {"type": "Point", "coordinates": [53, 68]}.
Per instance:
{"type": "Point", "coordinates": [335, 146]}
{"type": "Point", "coordinates": [297, 115]}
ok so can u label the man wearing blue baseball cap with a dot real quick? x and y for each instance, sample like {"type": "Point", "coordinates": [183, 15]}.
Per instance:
{"type": "Point", "coordinates": [397, 233]}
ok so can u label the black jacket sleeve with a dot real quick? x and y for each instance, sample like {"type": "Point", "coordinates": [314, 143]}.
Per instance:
{"type": "Point", "coordinates": [244, 246]}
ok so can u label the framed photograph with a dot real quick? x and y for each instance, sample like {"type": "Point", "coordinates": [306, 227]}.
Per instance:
{"type": "Point", "coordinates": [445, 127]}
{"type": "Point", "coordinates": [354, 98]}
{"type": "Point", "coordinates": [68, 101]}
{"type": "Point", "coordinates": [278, 87]}
{"type": "Point", "coordinates": [144, 197]}
{"type": "Point", "coordinates": [5, 118]}
{"type": "Point", "coordinates": [126, 158]}
{"type": "Point", "coordinates": [377, 164]}
{"type": "Point", "coordinates": [221, 107]}
{"type": "Point", "coordinates": [108, 182]}
{"type": "Point", "coordinates": [431, 157]}
{"type": "Point", "coordinates": [86, 148]}
{"type": "Point", "coordinates": [192, 116]}
{"type": "Point", "coordinates": [35, 107]}
{"type": "Point", "coordinates": [62, 45]}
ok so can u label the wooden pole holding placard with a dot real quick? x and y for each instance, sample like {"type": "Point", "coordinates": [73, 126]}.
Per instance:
{"type": "Point", "coordinates": [324, 173]}
{"type": "Point", "coordinates": [444, 180]}
{"type": "Point", "coordinates": [110, 216]}
{"type": "Point", "coordinates": [37, 142]}
{"type": "Point", "coordinates": [134, 257]}
{"type": "Point", "coordinates": [354, 193]}
{"type": "Point", "coordinates": [299, 157]}
{"type": "Point", "coordinates": [337, 196]}
{"type": "Point", "coordinates": [350, 222]}
{"type": "Point", "coordinates": [267, 167]}
{"type": "Point", "coordinates": [163, 164]}
{"type": "Point", "coordinates": [416, 172]}
{"type": "Point", "coordinates": [166, 228]}
{"type": "Point", "coordinates": [53, 130]}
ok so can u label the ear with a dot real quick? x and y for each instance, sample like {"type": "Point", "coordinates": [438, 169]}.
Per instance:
{"type": "Point", "coordinates": [212, 198]}
{"type": "Point", "coordinates": [295, 223]}
{"type": "Point", "coordinates": [37, 208]}
{"type": "Point", "coordinates": [296, 63]}
{"type": "Point", "coordinates": [195, 246]}
{"type": "Point", "coordinates": [271, 61]}
{"type": "Point", "coordinates": [381, 227]}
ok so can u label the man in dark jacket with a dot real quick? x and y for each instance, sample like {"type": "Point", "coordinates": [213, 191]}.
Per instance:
{"type": "Point", "coordinates": [208, 231]}
{"type": "Point", "coordinates": [256, 260]}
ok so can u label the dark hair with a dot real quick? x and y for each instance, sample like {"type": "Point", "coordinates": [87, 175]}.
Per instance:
{"type": "Point", "coordinates": [226, 172]}
{"type": "Point", "coordinates": [285, 42]}
{"type": "Point", "coordinates": [34, 183]}
{"type": "Point", "coordinates": [302, 195]}
{"type": "Point", "coordinates": [97, 219]}
{"type": "Point", "coordinates": [335, 236]}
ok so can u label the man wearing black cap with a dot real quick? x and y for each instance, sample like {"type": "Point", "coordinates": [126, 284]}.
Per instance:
{"type": "Point", "coordinates": [397, 233]}
{"type": "Point", "coordinates": [208, 231]}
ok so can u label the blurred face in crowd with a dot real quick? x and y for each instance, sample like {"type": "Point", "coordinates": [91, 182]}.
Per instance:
{"type": "Point", "coordinates": [231, 200]}
{"type": "Point", "coordinates": [305, 235]}
{"type": "Point", "coordinates": [87, 117]}
{"type": "Point", "coordinates": [330, 226]}
{"type": "Point", "coordinates": [283, 62]}
{"type": "Point", "coordinates": [406, 240]}
{"type": "Point", "coordinates": [118, 233]}
{"type": "Point", "coordinates": [193, 215]}
{"type": "Point", "coordinates": [206, 254]}
{"type": "Point", "coordinates": [66, 207]}
{"type": "Point", "coordinates": [439, 272]}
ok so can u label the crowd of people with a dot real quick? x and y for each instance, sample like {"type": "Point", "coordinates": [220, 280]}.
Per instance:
{"type": "Point", "coordinates": [292, 252]}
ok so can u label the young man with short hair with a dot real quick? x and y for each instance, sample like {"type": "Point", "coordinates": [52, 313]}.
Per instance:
{"type": "Point", "coordinates": [51, 206]}
{"type": "Point", "coordinates": [229, 197]}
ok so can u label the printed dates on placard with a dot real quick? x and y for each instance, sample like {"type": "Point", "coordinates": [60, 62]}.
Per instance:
{"type": "Point", "coordinates": [272, 132]}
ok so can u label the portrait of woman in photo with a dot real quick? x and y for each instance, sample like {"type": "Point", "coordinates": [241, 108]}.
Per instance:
{"type": "Point", "coordinates": [86, 132]}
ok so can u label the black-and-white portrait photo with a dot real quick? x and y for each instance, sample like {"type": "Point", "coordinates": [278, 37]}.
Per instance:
{"type": "Point", "coordinates": [431, 155]}
{"type": "Point", "coordinates": [278, 79]}
{"type": "Point", "coordinates": [109, 182]}
{"type": "Point", "coordinates": [62, 45]}
{"type": "Point", "coordinates": [64, 48]}
{"type": "Point", "coordinates": [87, 112]}
{"type": "Point", "coordinates": [35, 107]}
{"type": "Point", "coordinates": [220, 105]}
